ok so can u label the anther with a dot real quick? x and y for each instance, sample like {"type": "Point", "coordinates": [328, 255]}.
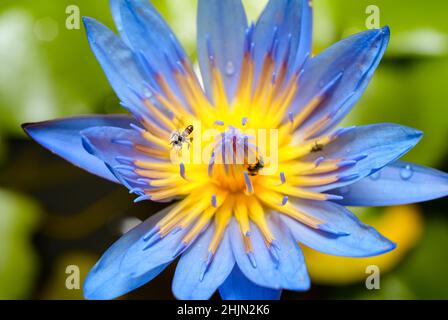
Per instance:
{"type": "Point", "coordinates": [343, 131]}
{"type": "Point", "coordinates": [349, 177]}
{"type": "Point", "coordinates": [282, 178]}
{"type": "Point", "coordinates": [274, 254]}
{"type": "Point", "coordinates": [180, 249]}
{"type": "Point", "coordinates": [251, 257]}
{"type": "Point", "coordinates": [291, 118]}
{"type": "Point", "coordinates": [214, 201]}
{"type": "Point", "coordinates": [126, 143]}
{"type": "Point", "coordinates": [182, 171]}
{"type": "Point", "coordinates": [211, 54]}
{"type": "Point", "coordinates": [333, 197]}
{"type": "Point", "coordinates": [176, 230]}
{"type": "Point", "coordinates": [179, 51]}
{"type": "Point", "coordinates": [144, 182]}
{"type": "Point", "coordinates": [359, 158]}
{"type": "Point", "coordinates": [319, 161]}
{"type": "Point", "coordinates": [138, 191]}
{"type": "Point", "coordinates": [274, 42]}
{"type": "Point", "coordinates": [206, 266]}
{"type": "Point", "coordinates": [152, 241]}
{"type": "Point", "coordinates": [142, 198]}
{"type": "Point", "coordinates": [137, 128]}
{"type": "Point", "coordinates": [211, 164]}
{"type": "Point", "coordinates": [328, 229]}
{"type": "Point", "coordinates": [249, 186]}
{"type": "Point", "coordinates": [151, 233]}
{"type": "Point", "coordinates": [347, 163]}
{"type": "Point", "coordinates": [171, 64]}
{"type": "Point", "coordinates": [124, 160]}
{"type": "Point", "coordinates": [123, 168]}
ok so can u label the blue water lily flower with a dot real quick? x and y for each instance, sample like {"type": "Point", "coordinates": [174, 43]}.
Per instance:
{"type": "Point", "coordinates": [237, 217]}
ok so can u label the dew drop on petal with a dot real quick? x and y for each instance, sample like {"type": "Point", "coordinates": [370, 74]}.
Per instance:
{"type": "Point", "coordinates": [406, 173]}
{"type": "Point", "coordinates": [147, 93]}
{"type": "Point", "coordinates": [230, 68]}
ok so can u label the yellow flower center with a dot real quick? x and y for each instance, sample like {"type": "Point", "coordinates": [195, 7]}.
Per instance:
{"type": "Point", "coordinates": [245, 158]}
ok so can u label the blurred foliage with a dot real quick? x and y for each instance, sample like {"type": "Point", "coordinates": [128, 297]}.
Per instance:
{"type": "Point", "coordinates": [409, 86]}
{"type": "Point", "coordinates": [424, 272]}
{"type": "Point", "coordinates": [53, 69]}
{"type": "Point", "coordinates": [411, 95]}
{"type": "Point", "coordinates": [18, 261]}
{"type": "Point", "coordinates": [402, 225]}
{"type": "Point", "coordinates": [56, 289]}
{"type": "Point", "coordinates": [55, 73]}
{"type": "Point", "coordinates": [48, 71]}
{"type": "Point", "coordinates": [420, 275]}
{"type": "Point", "coordinates": [417, 28]}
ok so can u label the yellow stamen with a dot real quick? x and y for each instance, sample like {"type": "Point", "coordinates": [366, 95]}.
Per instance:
{"type": "Point", "coordinates": [271, 199]}
{"type": "Point", "coordinates": [258, 216]}
{"type": "Point", "coordinates": [159, 115]}
{"type": "Point", "coordinates": [294, 152]}
{"type": "Point", "coordinates": [241, 215]}
{"type": "Point", "coordinates": [219, 93]}
{"type": "Point", "coordinates": [162, 154]}
{"type": "Point", "coordinates": [222, 219]}
{"type": "Point", "coordinates": [153, 139]}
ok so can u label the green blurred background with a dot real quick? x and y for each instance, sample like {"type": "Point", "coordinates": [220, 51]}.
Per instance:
{"type": "Point", "coordinates": [53, 215]}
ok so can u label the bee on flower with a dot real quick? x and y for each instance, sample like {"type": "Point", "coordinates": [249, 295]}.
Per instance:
{"type": "Point", "coordinates": [236, 226]}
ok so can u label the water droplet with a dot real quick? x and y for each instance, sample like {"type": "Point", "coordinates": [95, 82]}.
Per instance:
{"type": "Point", "coordinates": [147, 93]}
{"type": "Point", "coordinates": [230, 69]}
{"type": "Point", "coordinates": [375, 176]}
{"type": "Point", "coordinates": [406, 173]}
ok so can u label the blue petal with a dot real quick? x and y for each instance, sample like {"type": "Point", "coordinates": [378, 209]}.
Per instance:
{"type": "Point", "coordinates": [398, 183]}
{"type": "Point", "coordinates": [148, 33]}
{"type": "Point", "coordinates": [238, 287]}
{"type": "Point", "coordinates": [120, 66]}
{"type": "Point", "coordinates": [357, 58]}
{"type": "Point", "coordinates": [110, 144]}
{"type": "Point", "coordinates": [116, 14]}
{"type": "Point", "coordinates": [290, 21]}
{"type": "Point", "coordinates": [197, 277]}
{"type": "Point", "coordinates": [287, 272]}
{"type": "Point", "coordinates": [145, 255]}
{"type": "Point", "coordinates": [221, 26]}
{"type": "Point", "coordinates": [374, 146]}
{"type": "Point", "coordinates": [105, 281]}
{"type": "Point", "coordinates": [63, 137]}
{"type": "Point", "coordinates": [304, 48]}
{"type": "Point", "coordinates": [158, 51]}
{"type": "Point", "coordinates": [359, 241]}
